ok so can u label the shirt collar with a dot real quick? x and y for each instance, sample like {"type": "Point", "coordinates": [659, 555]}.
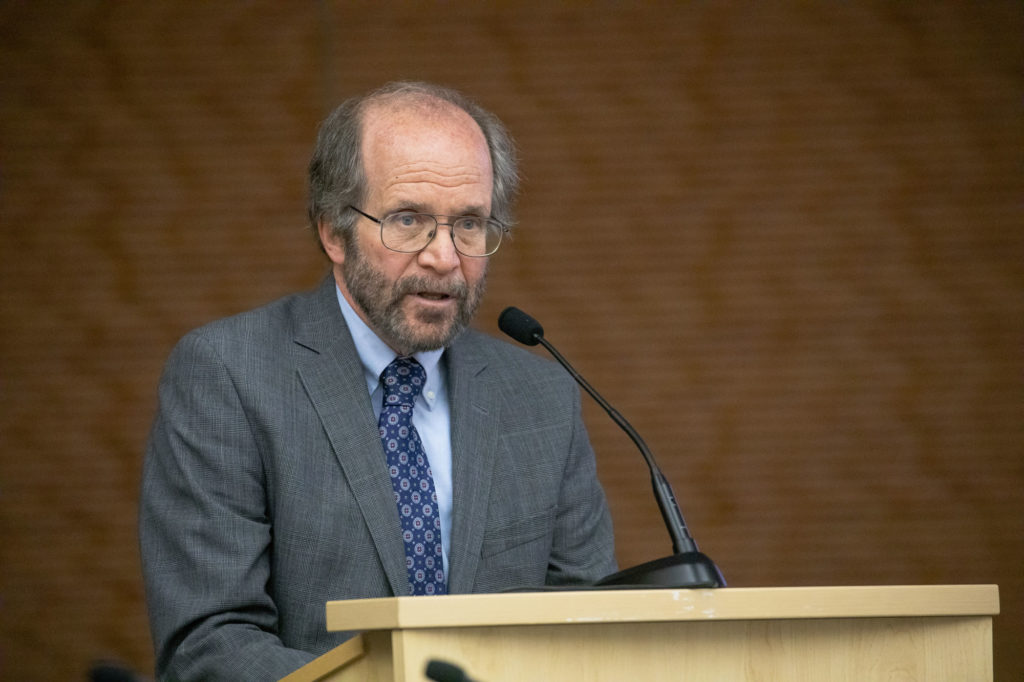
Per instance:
{"type": "Point", "coordinates": [375, 355]}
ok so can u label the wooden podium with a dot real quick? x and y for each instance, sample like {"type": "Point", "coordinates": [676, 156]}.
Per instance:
{"type": "Point", "coordinates": [838, 634]}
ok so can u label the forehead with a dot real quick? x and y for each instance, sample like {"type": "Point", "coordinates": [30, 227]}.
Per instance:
{"type": "Point", "coordinates": [423, 146]}
{"type": "Point", "coordinates": [407, 109]}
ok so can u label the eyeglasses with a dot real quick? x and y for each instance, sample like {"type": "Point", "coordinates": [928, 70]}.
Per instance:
{"type": "Point", "coordinates": [412, 232]}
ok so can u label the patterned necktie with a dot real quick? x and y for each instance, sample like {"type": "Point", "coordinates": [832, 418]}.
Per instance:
{"type": "Point", "coordinates": [411, 478]}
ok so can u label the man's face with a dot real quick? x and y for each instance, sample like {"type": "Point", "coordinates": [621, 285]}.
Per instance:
{"type": "Point", "coordinates": [427, 161]}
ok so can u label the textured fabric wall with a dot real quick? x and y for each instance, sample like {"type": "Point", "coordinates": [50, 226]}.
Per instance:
{"type": "Point", "coordinates": [784, 240]}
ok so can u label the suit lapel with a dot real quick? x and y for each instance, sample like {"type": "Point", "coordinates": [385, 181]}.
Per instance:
{"type": "Point", "coordinates": [333, 377]}
{"type": "Point", "coordinates": [475, 409]}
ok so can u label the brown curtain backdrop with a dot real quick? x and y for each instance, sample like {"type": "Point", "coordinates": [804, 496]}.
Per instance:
{"type": "Point", "coordinates": [784, 239]}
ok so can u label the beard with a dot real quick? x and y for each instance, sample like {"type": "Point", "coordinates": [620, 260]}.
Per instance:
{"type": "Point", "coordinates": [382, 302]}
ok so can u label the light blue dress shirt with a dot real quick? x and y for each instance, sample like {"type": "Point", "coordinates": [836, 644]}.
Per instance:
{"type": "Point", "coordinates": [431, 416]}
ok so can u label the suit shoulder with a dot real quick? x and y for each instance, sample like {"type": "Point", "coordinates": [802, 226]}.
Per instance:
{"type": "Point", "coordinates": [276, 315]}
{"type": "Point", "coordinates": [267, 326]}
{"type": "Point", "coordinates": [505, 357]}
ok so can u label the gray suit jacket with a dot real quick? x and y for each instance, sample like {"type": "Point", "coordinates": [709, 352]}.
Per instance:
{"type": "Point", "coordinates": [265, 493]}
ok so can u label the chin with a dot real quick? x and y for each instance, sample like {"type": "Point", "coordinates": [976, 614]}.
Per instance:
{"type": "Point", "coordinates": [429, 329]}
{"type": "Point", "coordinates": [422, 336]}
{"type": "Point", "coordinates": [432, 338]}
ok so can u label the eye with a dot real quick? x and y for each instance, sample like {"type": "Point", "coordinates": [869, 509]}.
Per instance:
{"type": "Point", "coordinates": [468, 224]}
{"type": "Point", "coordinates": [411, 221]}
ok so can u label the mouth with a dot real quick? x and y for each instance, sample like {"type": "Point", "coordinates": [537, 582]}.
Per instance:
{"type": "Point", "coordinates": [437, 300]}
{"type": "Point", "coordinates": [433, 295]}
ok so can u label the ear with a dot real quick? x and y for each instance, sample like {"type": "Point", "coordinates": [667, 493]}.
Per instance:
{"type": "Point", "coordinates": [334, 246]}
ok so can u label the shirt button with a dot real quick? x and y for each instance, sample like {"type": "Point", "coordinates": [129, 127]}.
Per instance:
{"type": "Point", "coordinates": [430, 395]}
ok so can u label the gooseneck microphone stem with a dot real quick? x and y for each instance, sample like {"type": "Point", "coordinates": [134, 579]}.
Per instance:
{"type": "Point", "coordinates": [682, 541]}
{"type": "Point", "coordinates": [687, 567]}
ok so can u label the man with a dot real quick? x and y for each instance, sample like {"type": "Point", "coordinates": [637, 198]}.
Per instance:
{"type": "Point", "coordinates": [269, 484]}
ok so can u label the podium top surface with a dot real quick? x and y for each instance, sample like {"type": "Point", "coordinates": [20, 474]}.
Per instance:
{"type": "Point", "coordinates": [649, 605]}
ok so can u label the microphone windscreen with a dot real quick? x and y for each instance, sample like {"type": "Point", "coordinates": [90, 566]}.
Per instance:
{"type": "Point", "coordinates": [441, 671]}
{"type": "Point", "coordinates": [520, 326]}
{"type": "Point", "coordinates": [102, 671]}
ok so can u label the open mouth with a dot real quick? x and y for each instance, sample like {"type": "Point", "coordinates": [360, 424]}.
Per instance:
{"type": "Point", "coordinates": [435, 298]}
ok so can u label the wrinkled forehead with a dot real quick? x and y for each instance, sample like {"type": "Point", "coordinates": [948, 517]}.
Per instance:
{"type": "Point", "coordinates": [427, 135]}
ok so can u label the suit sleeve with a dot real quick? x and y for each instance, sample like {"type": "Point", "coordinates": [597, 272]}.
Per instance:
{"type": "Point", "coordinates": [205, 534]}
{"type": "Point", "coordinates": [583, 548]}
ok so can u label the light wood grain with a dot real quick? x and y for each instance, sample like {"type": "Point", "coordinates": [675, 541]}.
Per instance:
{"type": "Point", "coordinates": [662, 605]}
{"type": "Point", "coordinates": [939, 633]}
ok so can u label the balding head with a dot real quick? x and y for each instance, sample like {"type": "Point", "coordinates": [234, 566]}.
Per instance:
{"type": "Point", "coordinates": [337, 176]}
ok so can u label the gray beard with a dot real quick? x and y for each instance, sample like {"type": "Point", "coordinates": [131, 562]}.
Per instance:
{"type": "Point", "coordinates": [381, 302]}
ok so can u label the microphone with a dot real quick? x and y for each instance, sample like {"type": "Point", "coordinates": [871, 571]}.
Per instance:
{"type": "Point", "coordinates": [442, 671]}
{"type": "Point", "coordinates": [110, 671]}
{"type": "Point", "coordinates": [688, 567]}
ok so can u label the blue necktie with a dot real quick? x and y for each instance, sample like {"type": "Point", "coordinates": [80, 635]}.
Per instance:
{"type": "Point", "coordinates": [411, 478]}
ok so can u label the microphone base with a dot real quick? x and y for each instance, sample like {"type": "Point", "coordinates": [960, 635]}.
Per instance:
{"type": "Point", "coordinates": [687, 570]}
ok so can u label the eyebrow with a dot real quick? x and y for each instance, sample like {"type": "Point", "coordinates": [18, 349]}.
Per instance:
{"type": "Point", "coordinates": [417, 207]}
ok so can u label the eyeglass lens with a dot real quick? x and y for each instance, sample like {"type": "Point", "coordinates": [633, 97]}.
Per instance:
{"type": "Point", "coordinates": [410, 232]}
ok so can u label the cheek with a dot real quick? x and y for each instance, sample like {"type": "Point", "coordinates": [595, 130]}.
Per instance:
{"type": "Point", "coordinates": [474, 270]}
{"type": "Point", "coordinates": [393, 271]}
{"type": "Point", "coordinates": [393, 266]}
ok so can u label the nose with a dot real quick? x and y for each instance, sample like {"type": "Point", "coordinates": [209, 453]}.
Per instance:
{"type": "Point", "coordinates": [440, 254]}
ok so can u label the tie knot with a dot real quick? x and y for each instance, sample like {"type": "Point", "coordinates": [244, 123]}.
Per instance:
{"type": "Point", "coordinates": [403, 380]}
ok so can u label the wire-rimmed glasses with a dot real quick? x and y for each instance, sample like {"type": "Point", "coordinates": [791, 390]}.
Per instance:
{"type": "Point", "coordinates": [407, 232]}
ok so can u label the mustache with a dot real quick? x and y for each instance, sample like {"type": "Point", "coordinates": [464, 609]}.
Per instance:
{"type": "Point", "coordinates": [415, 285]}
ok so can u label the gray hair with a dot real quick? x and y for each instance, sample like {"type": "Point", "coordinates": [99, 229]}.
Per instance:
{"type": "Point", "coordinates": [336, 176]}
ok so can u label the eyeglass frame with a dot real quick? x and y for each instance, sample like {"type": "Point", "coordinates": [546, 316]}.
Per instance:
{"type": "Point", "coordinates": [436, 217]}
